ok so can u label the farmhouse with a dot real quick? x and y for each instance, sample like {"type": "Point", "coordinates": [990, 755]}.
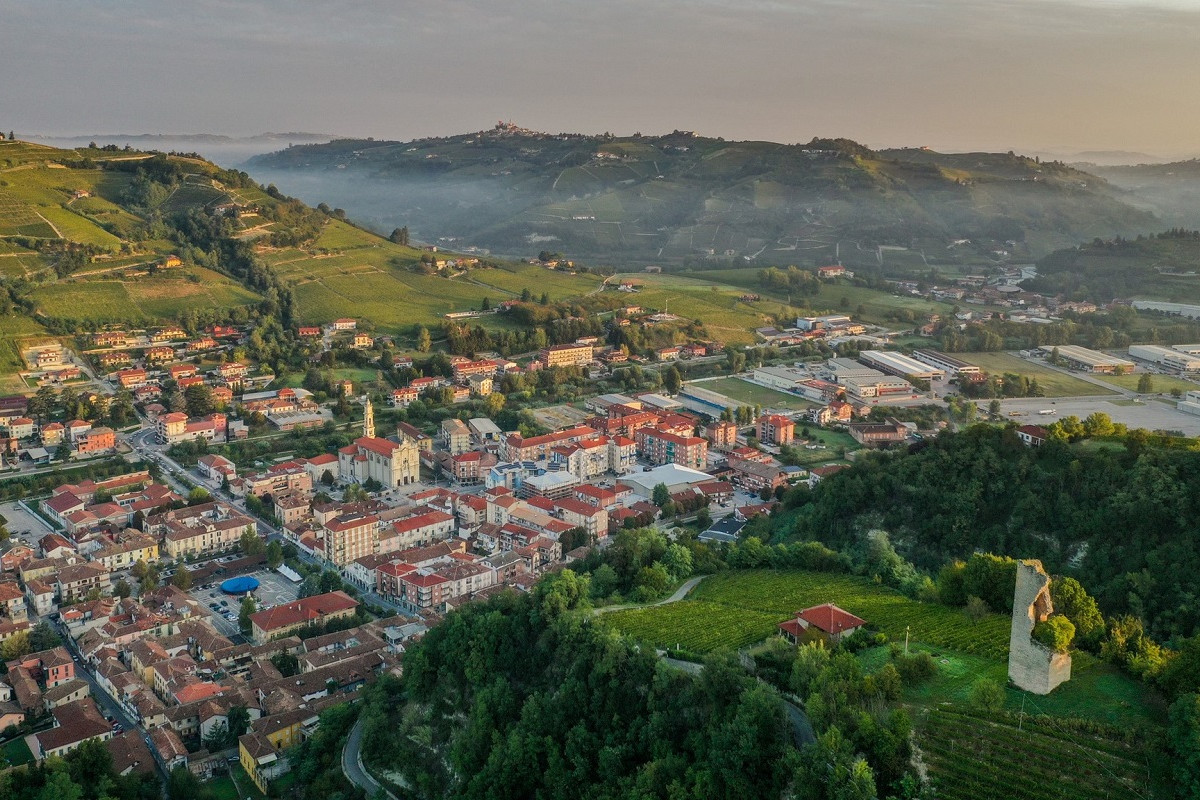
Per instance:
{"type": "Point", "coordinates": [826, 622]}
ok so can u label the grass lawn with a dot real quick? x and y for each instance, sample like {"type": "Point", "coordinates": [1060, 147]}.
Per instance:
{"type": "Point", "coordinates": [1053, 383]}
{"type": "Point", "coordinates": [753, 394]}
{"type": "Point", "coordinates": [223, 789]}
{"type": "Point", "coordinates": [16, 752]}
{"type": "Point", "coordinates": [1159, 383]}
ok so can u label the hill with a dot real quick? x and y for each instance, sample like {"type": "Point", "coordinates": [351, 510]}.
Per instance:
{"type": "Point", "coordinates": [687, 199]}
{"type": "Point", "coordinates": [1157, 267]}
{"type": "Point", "coordinates": [95, 236]}
{"type": "Point", "coordinates": [1171, 191]}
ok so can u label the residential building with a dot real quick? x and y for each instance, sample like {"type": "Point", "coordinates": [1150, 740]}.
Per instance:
{"type": "Point", "coordinates": [776, 429]}
{"type": "Point", "coordinates": [1033, 435]}
{"type": "Point", "coordinates": [878, 434]}
{"type": "Point", "coordinates": [96, 440]}
{"type": "Point", "coordinates": [660, 447]}
{"type": "Point", "coordinates": [825, 622]}
{"type": "Point", "coordinates": [175, 427]}
{"type": "Point", "coordinates": [721, 434]}
{"type": "Point", "coordinates": [350, 537]}
{"type": "Point", "coordinates": [565, 355]}
{"type": "Point", "coordinates": [455, 436]}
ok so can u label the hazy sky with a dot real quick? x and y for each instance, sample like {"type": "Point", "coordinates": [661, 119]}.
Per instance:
{"type": "Point", "coordinates": [1011, 74]}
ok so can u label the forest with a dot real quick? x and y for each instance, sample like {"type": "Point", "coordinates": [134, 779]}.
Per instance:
{"type": "Point", "coordinates": [522, 696]}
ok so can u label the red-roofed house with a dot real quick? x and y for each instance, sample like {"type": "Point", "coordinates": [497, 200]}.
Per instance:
{"type": "Point", "coordinates": [826, 621]}
{"type": "Point", "coordinates": [1033, 435]}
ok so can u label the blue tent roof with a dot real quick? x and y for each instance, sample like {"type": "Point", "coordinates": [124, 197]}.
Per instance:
{"type": "Point", "coordinates": [239, 585]}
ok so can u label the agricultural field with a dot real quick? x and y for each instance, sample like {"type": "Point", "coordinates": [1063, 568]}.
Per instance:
{"type": "Point", "coordinates": [717, 305]}
{"type": "Point", "coordinates": [877, 307]}
{"type": "Point", "coordinates": [1043, 759]}
{"type": "Point", "coordinates": [760, 599]}
{"type": "Point", "coordinates": [753, 394]}
{"type": "Point", "coordinates": [150, 298]}
{"type": "Point", "coordinates": [1160, 383]}
{"type": "Point", "coordinates": [698, 626]}
{"type": "Point", "coordinates": [1053, 383]}
{"type": "Point", "coordinates": [79, 228]}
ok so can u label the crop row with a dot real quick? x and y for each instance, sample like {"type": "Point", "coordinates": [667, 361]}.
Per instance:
{"type": "Point", "coordinates": [696, 626]}
{"type": "Point", "coordinates": [970, 758]}
{"type": "Point", "coordinates": [784, 592]}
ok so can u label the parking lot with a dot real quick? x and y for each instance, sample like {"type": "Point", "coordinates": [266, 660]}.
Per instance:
{"type": "Point", "coordinates": [20, 521]}
{"type": "Point", "coordinates": [273, 590]}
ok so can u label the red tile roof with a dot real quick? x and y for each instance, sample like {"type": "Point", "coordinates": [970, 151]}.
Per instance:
{"type": "Point", "coordinates": [830, 619]}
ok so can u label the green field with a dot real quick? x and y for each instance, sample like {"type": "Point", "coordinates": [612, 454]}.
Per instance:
{"type": "Point", "coordinates": [1053, 383]}
{"type": "Point", "coordinates": [1160, 383]}
{"type": "Point", "coordinates": [78, 228]}
{"type": "Point", "coordinates": [17, 752]}
{"type": "Point", "coordinates": [877, 306]}
{"type": "Point", "coordinates": [970, 757]}
{"type": "Point", "coordinates": [761, 599]}
{"type": "Point", "coordinates": [753, 394]}
{"type": "Point", "coordinates": [717, 305]}
{"type": "Point", "coordinates": [146, 299]}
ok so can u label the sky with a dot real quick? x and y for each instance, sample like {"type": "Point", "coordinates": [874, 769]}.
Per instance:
{"type": "Point", "coordinates": [1028, 75]}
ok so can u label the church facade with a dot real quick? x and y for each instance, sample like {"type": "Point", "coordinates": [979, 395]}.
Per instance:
{"type": "Point", "coordinates": [370, 457]}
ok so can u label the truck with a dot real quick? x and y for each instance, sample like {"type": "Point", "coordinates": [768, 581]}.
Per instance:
{"type": "Point", "coordinates": [1046, 412]}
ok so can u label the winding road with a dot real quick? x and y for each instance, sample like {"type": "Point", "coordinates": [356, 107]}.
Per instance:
{"type": "Point", "coordinates": [352, 765]}
{"type": "Point", "coordinates": [678, 595]}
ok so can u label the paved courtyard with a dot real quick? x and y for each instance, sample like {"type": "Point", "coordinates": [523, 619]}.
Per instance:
{"type": "Point", "coordinates": [273, 590]}
{"type": "Point", "coordinates": [1151, 415]}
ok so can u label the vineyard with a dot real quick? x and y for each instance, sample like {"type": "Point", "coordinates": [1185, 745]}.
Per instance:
{"type": "Point", "coordinates": [784, 592]}
{"type": "Point", "coordinates": [1044, 759]}
{"type": "Point", "coordinates": [694, 625]}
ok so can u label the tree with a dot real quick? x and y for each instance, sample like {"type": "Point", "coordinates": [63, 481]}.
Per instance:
{"type": "Point", "coordinates": [239, 722]}
{"type": "Point", "coordinates": [248, 608]}
{"type": "Point", "coordinates": [1056, 633]}
{"type": "Point", "coordinates": [182, 579]}
{"type": "Point", "coordinates": [977, 608]}
{"type": "Point", "coordinates": [400, 236]}
{"type": "Point", "coordinates": [286, 663]}
{"type": "Point", "coordinates": [987, 695]}
{"type": "Point", "coordinates": [217, 738]}
{"type": "Point", "coordinates": [1098, 424]}
{"type": "Point", "coordinates": [327, 478]}
{"type": "Point", "coordinates": [1184, 740]}
{"type": "Point", "coordinates": [43, 637]}
{"type": "Point", "coordinates": [122, 588]}
{"type": "Point", "coordinates": [678, 561]}
{"type": "Point", "coordinates": [1073, 602]}
{"type": "Point", "coordinates": [251, 543]}
{"type": "Point", "coordinates": [424, 342]}
{"type": "Point", "coordinates": [661, 496]}
{"type": "Point", "coordinates": [198, 400]}
{"type": "Point", "coordinates": [15, 646]}
{"type": "Point", "coordinates": [486, 305]}
{"type": "Point", "coordinates": [703, 519]}
{"type": "Point", "coordinates": [672, 380]}
{"type": "Point", "coordinates": [149, 581]}
{"type": "Point", "coordinates": [183, 785]}
{"type": "Point", "coordinates": [198, 496]}
{"type": "Point", "coordinates": [274, 555]}
{"type": "Point", "coordinates": [1145, 383]}
{"type": "Point", "coordinates": [994, 409]}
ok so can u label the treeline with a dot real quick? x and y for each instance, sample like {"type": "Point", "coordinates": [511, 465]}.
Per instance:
{"type": "Point", "coordinates": [524, 697]}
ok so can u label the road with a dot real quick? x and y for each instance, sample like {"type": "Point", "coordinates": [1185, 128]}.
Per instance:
{"type": "Point", "coordinates": [107, 704]}
{"type": "Point", "coordinates": [352, 765]}
{"type": "Point", "coordinates": [678, 595]}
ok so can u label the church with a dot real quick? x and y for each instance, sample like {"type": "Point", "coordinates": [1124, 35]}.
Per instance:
{"type": "Point", "coordinates": [390, 463]}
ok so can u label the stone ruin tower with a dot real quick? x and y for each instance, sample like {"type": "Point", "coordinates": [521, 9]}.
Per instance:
{"type": "Point", "coordinates": [1031, 665]}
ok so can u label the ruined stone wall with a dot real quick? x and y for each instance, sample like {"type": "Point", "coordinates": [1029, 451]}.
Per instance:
{"type": "Point", "coordinates": [1031, 665]}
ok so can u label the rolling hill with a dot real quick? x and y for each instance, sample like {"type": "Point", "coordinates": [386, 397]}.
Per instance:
{"type": "Point", "coordinates": [683, 199]}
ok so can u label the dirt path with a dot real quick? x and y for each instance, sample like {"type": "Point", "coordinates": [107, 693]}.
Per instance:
{"type": "Point", "coordinates": [678, 595]}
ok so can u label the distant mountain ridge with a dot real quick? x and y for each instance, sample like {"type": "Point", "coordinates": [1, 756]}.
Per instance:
{"type": "Point", "coordinates": [684, 199]}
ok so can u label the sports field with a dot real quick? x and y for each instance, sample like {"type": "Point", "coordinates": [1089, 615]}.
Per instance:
{"type": "Point", "coordinates": [752, 394]}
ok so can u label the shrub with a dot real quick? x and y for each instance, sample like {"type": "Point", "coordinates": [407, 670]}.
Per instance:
{"type": "Point", "coordinates": [1056, 633]}
{"type": "Point", "coordinates": [915, 667]}
{"type": "Point", "coordinates": [987, 695]}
